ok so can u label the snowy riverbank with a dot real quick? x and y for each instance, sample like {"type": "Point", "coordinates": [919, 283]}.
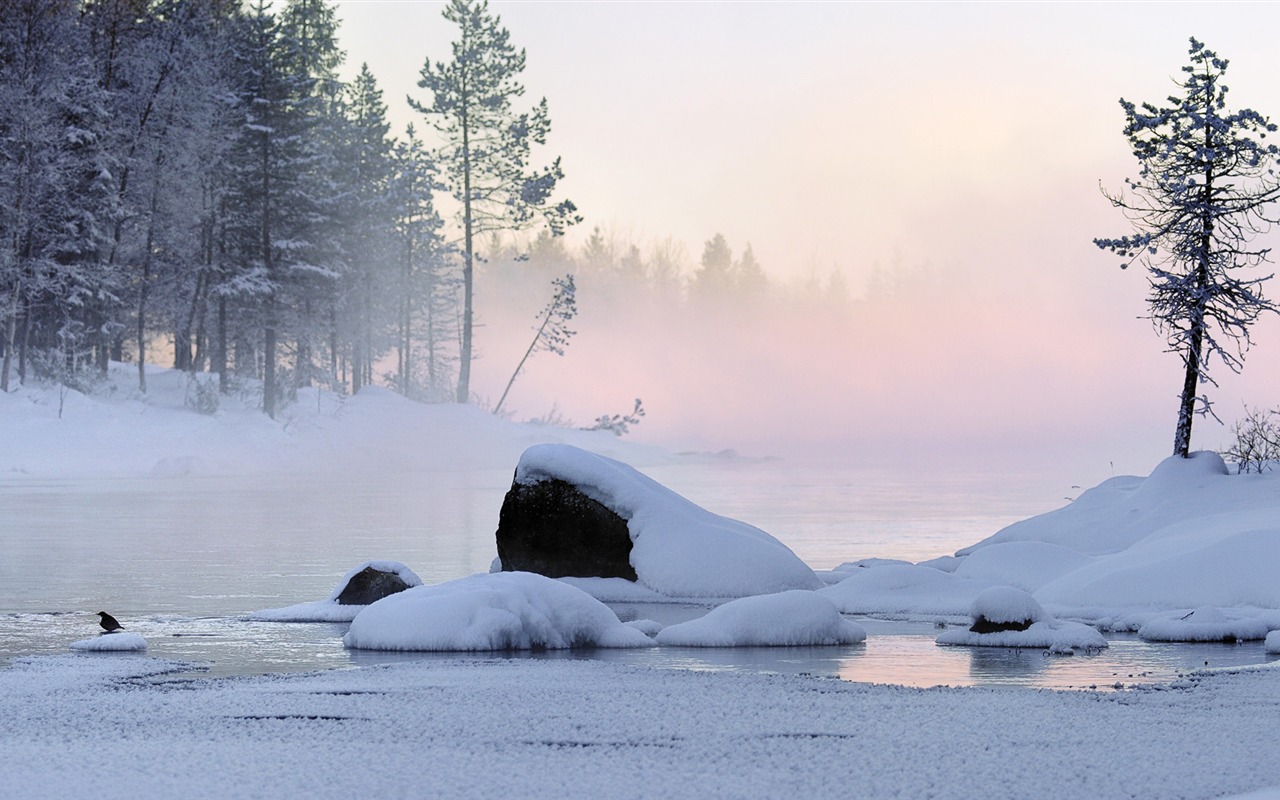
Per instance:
{"type": "Point", "coordinates": [103, 727]}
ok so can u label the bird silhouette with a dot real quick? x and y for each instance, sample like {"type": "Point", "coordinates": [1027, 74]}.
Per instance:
{"type": "Point", "coordinates": [108, 622]}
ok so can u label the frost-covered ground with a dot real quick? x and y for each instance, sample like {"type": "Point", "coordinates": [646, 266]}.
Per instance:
{"type": "Point", "coordinates": [100, 727]}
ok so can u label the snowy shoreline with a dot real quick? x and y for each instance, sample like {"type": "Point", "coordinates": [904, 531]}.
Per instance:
{"type": "Point", "coordinates": [115, 727]}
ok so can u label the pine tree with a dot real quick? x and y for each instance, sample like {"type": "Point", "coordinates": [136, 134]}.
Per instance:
{"type": "Point", "coordinates": [487, 145]}
{"type": "Point", "coordinates": [714, 278]}
{"type": "Point", "coordinates": [1205, 183]}
{"type": "Point", "coordinates": [426, 286]}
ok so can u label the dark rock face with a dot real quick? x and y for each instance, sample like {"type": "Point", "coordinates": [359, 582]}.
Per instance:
{"type": "Point", "coordinates": [984, 625]}
{"type": "Point", "coordinates": [553, 529]}
{"type": "Point", "coordinates": [370, 585]}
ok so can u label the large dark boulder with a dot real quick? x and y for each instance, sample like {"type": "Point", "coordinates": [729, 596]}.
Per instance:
{"type": "Point", "coordinates": [370, 585]}
{"type": "Point", "coordinates": [551, 528]}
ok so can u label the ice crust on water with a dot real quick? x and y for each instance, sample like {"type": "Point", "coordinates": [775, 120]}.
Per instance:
{"type": "Point", "coordinates": [791, 618]}
{"type": "Point", "coordinates": [490, 611]}
{"type": "Point", "coordinates": [678, 548]}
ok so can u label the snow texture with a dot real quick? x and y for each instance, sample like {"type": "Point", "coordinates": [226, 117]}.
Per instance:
{"type": "Point", "coordinates": [467, 729]}
{"type": "Point", "coordinates": [905, 590]}
{"type": "Point", "coordinates": [491, 611]}
{"type": "Point", "coordinates": [678, 548]}
{"type": "Point", "coordinates": [330, 610]}
{"type": "Point", "coordinates": [1005, 604]}
{"type": "Point", "coordinates": [1206, 624]}
{"type": "Point", "coordinates": [114, 642]}
{"type": "Point", "coordinates": [785, 619]}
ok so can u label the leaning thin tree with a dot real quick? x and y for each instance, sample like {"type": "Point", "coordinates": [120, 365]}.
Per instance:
{"type": "Point", "coordinates": [485, 154]}
{"type": "Point", "coordinates": [1205, 182]}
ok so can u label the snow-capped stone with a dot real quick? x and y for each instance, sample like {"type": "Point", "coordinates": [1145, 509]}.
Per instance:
{"type": "Point", "coordinates": [367, 582]}
{"type": "Point", "coordinates": [677, 548]}
{"type": "Point", "coordinates": [491, 611]}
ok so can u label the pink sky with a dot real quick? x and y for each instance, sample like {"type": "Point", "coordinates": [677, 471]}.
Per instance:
{"type": "Point", "coordinates": [962, 142]}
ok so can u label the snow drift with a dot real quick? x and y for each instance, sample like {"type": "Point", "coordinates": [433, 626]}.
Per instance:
{"type": "Point", "coordinates": [791, 618]}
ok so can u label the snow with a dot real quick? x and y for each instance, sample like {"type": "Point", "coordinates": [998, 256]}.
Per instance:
{"type": "Point", "coordinates": [1272, 643]}
{"type": "Point", "coordinates": [1129, 553]}
{"type": "Point", "coordinates": [678, 549]}
{"type": "Point", "coordinates": [1206, 624]}
{"type": "Point", "coordinates": [120, 432]}
{"type": "Point", "coordinates": [905, 590]}
{"type": "Point", "coordinates": [330, 610]}
{"type": "Point", "coordinates": [463, 728]}
{"type": "Point", "coordinates": [114, 642]}
{"type": "Point", "coordinates": [1004, 604]}
{"type": "Point", "coordinates": [1007, 604]}
{"type": "Point", "coordinates": [490, 611]}
{"type": "Point", "coordinates": [786, 619]}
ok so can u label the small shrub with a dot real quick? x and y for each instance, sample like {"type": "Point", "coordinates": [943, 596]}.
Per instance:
{"type": "Point", "coordinates": [619, 424]}
{"type": "Point", "coordinates": [202, 394]}
{"type": "Point", "coordinates": [1256, 441]}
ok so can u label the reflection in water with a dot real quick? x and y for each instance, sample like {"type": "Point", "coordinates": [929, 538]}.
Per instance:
{"type": "Point", "coordinates": [179, 561]}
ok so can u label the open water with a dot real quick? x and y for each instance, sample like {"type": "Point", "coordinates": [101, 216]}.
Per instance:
{"type": "Point", "coordinates": [181, 560]}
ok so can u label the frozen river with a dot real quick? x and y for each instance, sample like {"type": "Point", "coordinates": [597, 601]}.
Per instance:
{"type": "Point", "coordinates": [180, 560]}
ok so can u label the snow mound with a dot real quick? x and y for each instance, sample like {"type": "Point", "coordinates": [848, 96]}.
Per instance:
{"type": "Point", "coordinates": [1272, 643]}
{"type": "Point", "coordinates": [1205, 624]}
{"type": "Point", "coordinates": [648, 627]}
{"type": "Point", "coordinates": [786, 619]}
{"type": "Point", "coordinates": [678, 548]}
{"type": "Point", "coordinates": [115, 642]}
{"type": "Point", "coordinates": [1005, 604]}
{"type": "Point", "coordinates": [330, 610]}
{"type": "Point", "coordinates": [491, 611]}
{"type": "Point", "coordinates": [899, 589]}
{"type": "Point", "coordinates": [617, 590]}
{"type": "Point", "coordinates": [1026, 565]}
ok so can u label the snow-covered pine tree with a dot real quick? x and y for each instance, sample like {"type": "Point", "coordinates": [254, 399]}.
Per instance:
{"type": "Point", "coordinates": [487, 142]}
{"type": "Point", "coordinates": [427, 282]}
{"type": "Point", "coordinates": [368, 283]}
{"type": "Point", "coordinates": [41, 56]}
{"type": "Point", "coordinates": [1205, 184]}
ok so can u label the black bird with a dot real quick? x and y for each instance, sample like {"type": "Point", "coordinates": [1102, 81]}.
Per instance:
{"type": "Point", "coordinates": [109, 623]}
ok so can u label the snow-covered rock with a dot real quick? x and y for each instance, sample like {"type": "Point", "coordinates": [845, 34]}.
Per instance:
{"type": "Point", "coordinates": [491, 611]}
{"type": "Point", "coordinates": [369, 581]}
{"type": "Point", "coordinates": [1272, 643]}
{"type": "Point", "coordinates": [785, 619]}
{"type": "Point", "coordinates": [1004, 616]}
{"type": "Point", "coordinates": [115, 642]}
{"type": "Point", "coordinates": [678, 548]}
{"type": "Point", "coordinates": [1205, 624]}
{"type": "Point", "coordinates": [1004, 608]}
